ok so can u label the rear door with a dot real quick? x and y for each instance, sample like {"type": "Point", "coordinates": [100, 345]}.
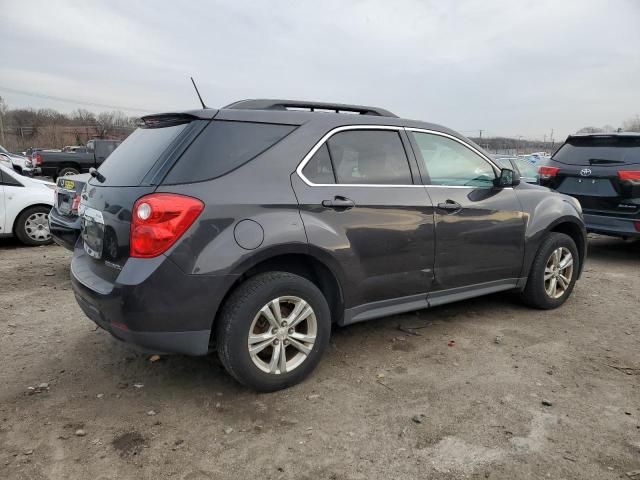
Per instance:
{"type": "Point", "coordinates": [361, 202]}
{"type": "Point", "coordinates": [601, 171]}
{"type": "Point", "coordinates": [479, 228]}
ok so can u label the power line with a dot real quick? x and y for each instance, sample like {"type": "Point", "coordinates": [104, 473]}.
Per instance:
{"type": "Point", "coordinates": [69, 100]}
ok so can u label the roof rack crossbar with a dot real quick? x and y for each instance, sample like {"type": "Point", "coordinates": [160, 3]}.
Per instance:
{"type": "Point", "coordinates": [267, 104]}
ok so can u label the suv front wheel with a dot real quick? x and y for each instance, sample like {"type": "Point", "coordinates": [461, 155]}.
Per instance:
{"type": "Point", "coordinates": [554, 272]}
{"type": "Point", "coordinates": [273, 330]}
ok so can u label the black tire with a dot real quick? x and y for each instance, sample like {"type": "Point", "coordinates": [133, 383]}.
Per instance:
{"type": "Point", "coordinates": [68, 171]}
{"type": "Point", "coordinates": [535, 294]}
{"type": "Point", "coordinates": [237, 316]}
{"type": "Point", "coordinates": [21, 229]}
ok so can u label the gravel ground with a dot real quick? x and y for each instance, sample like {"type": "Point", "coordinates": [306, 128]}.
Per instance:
{"type": "Point", "coordinates": [483, 389]}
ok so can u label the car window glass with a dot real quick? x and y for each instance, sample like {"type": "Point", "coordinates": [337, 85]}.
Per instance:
{"type": "Point", "coordinates": [128, 165]}
{"type": "Point", "coordinates": [224, 146]}
{"type": "Point", "coordinates": [319, 169]}
{"type": "Point", "coordinates": [448, 162]}
{"type": "Point", "coordinates": [9, 180]}
{"type": "Point", "coordinates": [503, 162]}
{"type": "Point", "coordinates": [369, 157]}
{"type": "Point", "coordinates": [527, 169]}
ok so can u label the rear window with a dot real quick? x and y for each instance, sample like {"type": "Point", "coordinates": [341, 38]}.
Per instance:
{"type": "Point", "coordinates": [132, 160]}
{"type": "Point", "coordinates": [224, 146]}
{"type": "Point", "coordinates": [599, 151]}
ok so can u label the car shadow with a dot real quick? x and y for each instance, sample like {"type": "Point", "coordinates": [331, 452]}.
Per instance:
{"type": "Point", "coordinates": [612, 249]}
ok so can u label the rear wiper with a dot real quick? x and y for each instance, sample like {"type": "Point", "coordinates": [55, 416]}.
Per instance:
{"type": "Point", "coordinates": [97, 175]}
{"type": "Point", "coordinates": [601, 161]}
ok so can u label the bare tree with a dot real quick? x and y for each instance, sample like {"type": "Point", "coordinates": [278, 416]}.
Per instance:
{"type": "Point", "coordinates": [82, 116]}
{"type": "Point", "coordinates": [3, 111]}
{"type": "Point", "coordinates": [590, 130]}
{"type": "Point", "coordinates": [632, 125]}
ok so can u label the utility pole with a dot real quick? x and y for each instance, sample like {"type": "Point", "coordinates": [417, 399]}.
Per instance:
{"type": "Point", "coordinates": [3, 106]}
{"type": "Point", "coordinates": [2, 128]}
{"type": "Point", "coordinates": [551, 139]}
{"type": "Point", "coordinates": [480, 142]}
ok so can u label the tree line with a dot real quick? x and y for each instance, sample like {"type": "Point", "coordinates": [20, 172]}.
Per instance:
{"type": "Point", "coordinates": [21, 128]}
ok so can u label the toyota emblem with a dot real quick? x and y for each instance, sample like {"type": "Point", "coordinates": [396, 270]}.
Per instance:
{"type": "Point", "coordinates": [585, 172]}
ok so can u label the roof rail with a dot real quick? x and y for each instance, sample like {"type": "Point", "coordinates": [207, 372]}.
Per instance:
{"type": "Point", "coordinates": [267, 104]}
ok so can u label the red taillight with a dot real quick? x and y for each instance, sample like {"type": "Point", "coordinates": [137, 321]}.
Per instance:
{"type": "Point", "coordinates": [636, 224]}
{"type": "Point", "coordinates": [546, 172]}
{"type": "Point", "coordinates": [629, 174]}
{"type": "Point", "coordinates": [38, 159]}
{"type": "Point", "coordinates": [75, 203]}
{"type": "Point", "coordinates": [158, 220]}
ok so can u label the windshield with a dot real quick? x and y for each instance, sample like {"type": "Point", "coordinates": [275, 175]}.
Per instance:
{"type": "Point", "coordinates": [3, 150]}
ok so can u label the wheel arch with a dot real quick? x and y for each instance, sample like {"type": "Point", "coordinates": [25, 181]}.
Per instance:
{"type": "Point", "coordinates": [299, 262]}
{"type": "Point", "coordinates": [24, 209]}
{"type": "Point", "coordinates": [572, 228]}
{"type": "Point", "coordinates": [67, 164]}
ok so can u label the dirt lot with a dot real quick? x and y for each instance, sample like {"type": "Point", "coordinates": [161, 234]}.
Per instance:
{"type": "Point", "coordinates": [383, 403]}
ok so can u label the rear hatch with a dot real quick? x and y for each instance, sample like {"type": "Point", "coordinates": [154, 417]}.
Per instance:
{"type": "Point", "coordinates": [131, 171]}
{"type": "Point", "coordinates": [601, 171]}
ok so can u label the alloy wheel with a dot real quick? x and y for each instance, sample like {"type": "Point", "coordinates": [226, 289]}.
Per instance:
{"type": "Point", "coordinates": [282, 335]}
{"type": "Point", "coordinates": [558, 272]}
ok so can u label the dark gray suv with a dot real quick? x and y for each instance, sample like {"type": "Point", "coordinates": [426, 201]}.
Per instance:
{"type": "Point", "coordinates": [253, 229]}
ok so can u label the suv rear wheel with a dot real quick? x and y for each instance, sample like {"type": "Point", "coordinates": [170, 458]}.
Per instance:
{"type": "Point", "coordinates": [273, 330]}
{"type": "Point", "coordinates": [554, 272]}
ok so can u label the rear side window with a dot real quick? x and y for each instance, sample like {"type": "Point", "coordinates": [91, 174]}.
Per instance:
{"type": "Point", "coordinates": [132, 160]}
{"type": "Point", "coordinates": [374, 157]}
{"type": "Point", "coordinates": [599, 151]}
{"type": "Point", "coordinates": [224, 146]}
{"type": "Point", "coordinates": [319, 169]}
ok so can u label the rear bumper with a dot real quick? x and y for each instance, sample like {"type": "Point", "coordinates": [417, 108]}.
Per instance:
{"type": "Point", "coordinates": [615, 226]}
{"type": "Point", "coordinates": [64, 231]}
{"type": "Point", "coordinates": [152, 304]}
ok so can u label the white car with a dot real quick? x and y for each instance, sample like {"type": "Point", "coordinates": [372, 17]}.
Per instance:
{"type": "Point", "coordinates": [20, 162]}
{"type": "Point", "coordinates": [25, 204]}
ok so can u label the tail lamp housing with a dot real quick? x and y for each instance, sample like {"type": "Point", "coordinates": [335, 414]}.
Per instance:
{"type": "Point", "coordinates": [159, 220]}
{"type": "Point", "coordinates": [546, 172]}
{"type": "Point", "coordinates": [629, 175]}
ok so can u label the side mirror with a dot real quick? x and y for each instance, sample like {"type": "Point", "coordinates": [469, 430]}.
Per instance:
{"type": "Point", "coordinates": [507, 178]}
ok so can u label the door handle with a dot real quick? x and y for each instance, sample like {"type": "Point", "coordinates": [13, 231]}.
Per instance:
{"type": "Point", "coordinates": [339, 203]}
{"type": "Point", "coordinates": [450, 206]}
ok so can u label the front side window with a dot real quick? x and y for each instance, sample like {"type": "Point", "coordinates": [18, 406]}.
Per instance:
{"type": "Point", "coordinates": [448, 162]}
{"type": "Point", "coordinates": [374, 157]}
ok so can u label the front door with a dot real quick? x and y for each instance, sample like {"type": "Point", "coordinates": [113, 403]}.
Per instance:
{"type": "Point", "coordinates": [479, 228]}
{"type": "Point", "coordinates": [361, 206]}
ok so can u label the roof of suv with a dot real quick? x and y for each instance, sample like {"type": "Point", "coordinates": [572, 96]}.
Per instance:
{"type": "Point", "coordinates": [610, 134]}
{"type": "Point", "coordinates": [297, 112]}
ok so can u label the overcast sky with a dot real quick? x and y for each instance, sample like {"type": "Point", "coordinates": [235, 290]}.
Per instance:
{"type": "Point", "coordinates": [505, 66]}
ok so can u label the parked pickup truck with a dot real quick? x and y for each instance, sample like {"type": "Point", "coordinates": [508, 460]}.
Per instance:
{"type": "Point", "coordinates": [59, 164]}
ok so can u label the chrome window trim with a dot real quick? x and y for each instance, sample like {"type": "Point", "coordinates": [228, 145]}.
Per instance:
{"type": "Point", "coordinates": [327, 136]}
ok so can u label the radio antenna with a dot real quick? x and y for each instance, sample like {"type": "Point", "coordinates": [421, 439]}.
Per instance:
{"type": "Point", "coordinates": [198, 93]}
